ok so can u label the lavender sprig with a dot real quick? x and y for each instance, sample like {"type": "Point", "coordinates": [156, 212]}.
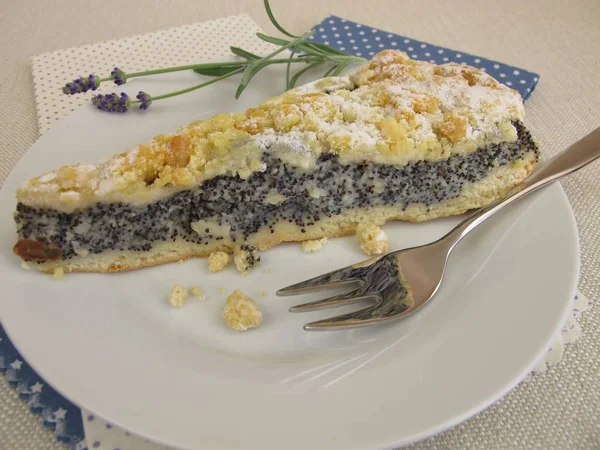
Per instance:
{"type": "Point", "coordinates": [115, 103]}
{"type": "Point", "coordinates": [81, 85]}
{"type": "Point", "coordinates": [144, 99]}
{"type": "Point", "coordinates": [118, 76]}
{"type": "Point", "coordinates": [112, 102]}
{"type": "Point", "coordinates": [310, 54]}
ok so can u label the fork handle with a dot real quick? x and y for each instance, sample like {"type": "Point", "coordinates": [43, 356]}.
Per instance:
{"type": "Point", "coordinates": [568, 161]}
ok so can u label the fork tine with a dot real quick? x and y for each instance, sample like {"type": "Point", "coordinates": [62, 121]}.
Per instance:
{"type": "Point", "coordinates": [332, 302]}
{"type": "Point", "coordinates": [355, 319]}
{"type": "Point", "coordinates": [336, 278]}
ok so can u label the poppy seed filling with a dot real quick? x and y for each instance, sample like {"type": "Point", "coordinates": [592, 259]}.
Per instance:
{"type": "Point", "coordinates": [303, 197]}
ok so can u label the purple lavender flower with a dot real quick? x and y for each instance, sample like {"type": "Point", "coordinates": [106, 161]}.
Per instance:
{"type": "Point", "coordinates": [145, 100]}
{"type": "Point", "coordinates": [81, 85]}
{"type": "Point", "coordinates": [118, 76]}
{"type": "Point", "coordinates": [112, 102]}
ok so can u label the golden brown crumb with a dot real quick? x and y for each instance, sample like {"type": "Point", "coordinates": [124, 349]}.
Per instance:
{"type": "Point", "coordinates": [218, 261]}
{"type": "Point", "coordinates": [58, 273]}
{"type": "Point", "coordinates": [178, 152]}
{"type": "Point", "coordinates": [197, 291]}
{"type": "Point", "coordinates": [314, 245]}
{"type": "Point", "coordinates": [178, 296]}
{"type": "Point", "coordinates": [453, 127]}
{"type": "Point", "coordinates": [372, 239]}
{"type": "Point", "coordinates": [240, 312]}
{"type": "Point", "coordinates": [261, 292]}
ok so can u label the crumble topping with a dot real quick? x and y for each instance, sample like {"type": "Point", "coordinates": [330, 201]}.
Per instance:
{"type": "Point", "coordinates": [240, 312]}
{"type": "Point", "coordinates": [218, 261]}
{"type": "Point", "coordinates": [178, 296]}
{"type": "Point", "coordinates": [393, 110]}
{"type": "Point", "coordinates": [313, 245]}
{"type": "Point", "coordinates": [372, 239]}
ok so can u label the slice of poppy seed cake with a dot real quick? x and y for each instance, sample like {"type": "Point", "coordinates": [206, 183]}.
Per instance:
{"type": "Point", "coordinates": [395, 140]}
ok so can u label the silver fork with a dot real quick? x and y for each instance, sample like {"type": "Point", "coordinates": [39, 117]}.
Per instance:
{"type": "Point", "coordinates": [399, 283]}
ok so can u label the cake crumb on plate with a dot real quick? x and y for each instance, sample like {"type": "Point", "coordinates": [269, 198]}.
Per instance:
{"type": "Point", "coordinates": [313, 245]}
{"type": "Point", "coordinates": [218, 261]}
{"type": "Point", "coordinates": [197, 291]}
{"type": "Point", "coordinates": [240, 312]}
{"type": "Point", "coordinates": [246, 257]}
{"type": "Point", "coordinates": [178, 296]}
{"type": "Point", "coordinates": [372, 239]}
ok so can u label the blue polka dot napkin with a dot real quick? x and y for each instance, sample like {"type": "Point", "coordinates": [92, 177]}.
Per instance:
{"type": "Point", "coordinates": [364, 41]}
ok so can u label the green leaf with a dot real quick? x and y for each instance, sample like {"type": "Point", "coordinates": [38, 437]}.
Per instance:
{"type": "Point", "coordinates": [272, 39]}
{"type": "Point", "coordinates": [327, 49]}
{"type": "Point", "coordinates": [305, 57]}
{"type": "Point", "coordinates": [243, 53]}
{"type": "Point", "coordinates": [287, 71]}
{"type": "Point", "coordinates": [308, 48]}
{"type": "Point", "coordinates": [274, 22]}
{"type": "Point", "coordinates": [248, 74]}
{"type": "Point", "coordinates": [255, 66]}
{"type": "Point", "coordinates": [217, 71]}
{"type": "Point", "coordinates": [298, 74]}
{"type": "Point", "coordinates": [340, 68]}
{"type": "Point", "coordinates": [326, 74]}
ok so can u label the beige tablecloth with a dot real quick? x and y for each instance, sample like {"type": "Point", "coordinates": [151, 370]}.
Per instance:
{"type": "Point", "coordinates": [558, 39]}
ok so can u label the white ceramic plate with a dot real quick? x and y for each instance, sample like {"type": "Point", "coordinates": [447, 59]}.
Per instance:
{"type": "Point", "coordinates": [112, 344]}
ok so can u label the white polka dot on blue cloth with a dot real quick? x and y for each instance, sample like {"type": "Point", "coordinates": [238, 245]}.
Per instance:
{"type": "Point", "coordinates": [515, 77]}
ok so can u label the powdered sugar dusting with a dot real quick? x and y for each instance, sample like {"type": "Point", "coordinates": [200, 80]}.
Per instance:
{"type": "Point", "coordinates": [48, 177]}
{"type": "Point", "coordinates": [328, 84]}
{"type": "Point", "coordinates": [292, 141]}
